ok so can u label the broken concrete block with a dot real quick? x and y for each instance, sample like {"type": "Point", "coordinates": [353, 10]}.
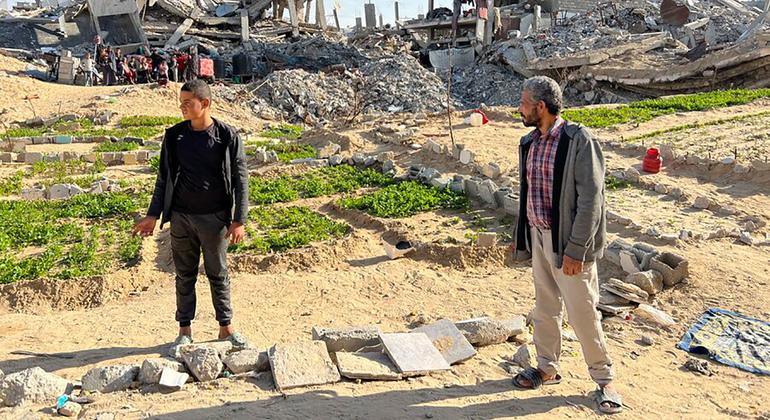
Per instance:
{"type": "Point", "coordinates": [702, 203]}
{"type": "Point", "coordinates": [471, 187]}
{"type": "Point", "coordinates": [491, 170]}
{"type": "Point", "coordinates": [448, 340]}
{"type": "Point", "coordinates": [629, 262]}
{"type": "Point", "coordinates": [427, 174]}
{"type": "Point", "coordinates": [655, 315]}
{"type": "Point", "coordinates": [651, 281]}
{"type": "Point", "coordinates": [31, 386]}
{"type": "Point", "coordinates": [33, 193]}
{"type": "Point", "coordinates": [511, 204]}
{"type": "Point", "coordinates": [303, 363]}
{"type": "Point", "coordinates": [367, 366]}
{"type": "Point", "coordinates": [7, 157]}
{"type": "Point", "coordinates": [335, 160]}
{"type": "Point", "coordinates": [456, 150]}
{"type": "Point", "coordinates": [413, 353]}
{"type": "Point", "coordinates": [70, 409]}
{"type": "Point", "coordinates": [151, 369]}
{"type": "Point", "coordinates": [466, 157]}
{"type": "Point", "coordinates": [203, 362]}
{"type": "Point", "coordinates": [626, 290]}
{"type": "Point", "coordinates": [485, 331]}
{"type": "Point", "coordinates": [350, 339]}
{"type": "Point", "coordinates": [439, 183]}
{"type": "Point", "coordinates": [524, 357]}
{"type": "Point", "coordinates": [170, 378]}
{"type": "Point", "coordinates": [609, 298]}
{"type": "Point", "coordinates": [486, 239]}
{"type": "Point", "coordinates": [129, 158]}
{"type": "Point", "coordinates": [487, 190]}
{"type": "Point", "coordinates": [329, 150]}
{"type": "Point", "coordinates": [674, 268]}
{"type": "Point", "coordinates": [110, 378]}
{"type": "Point", "coordinates": [32, 157]}
{"type": "Point", "coordinates": [247, 360]}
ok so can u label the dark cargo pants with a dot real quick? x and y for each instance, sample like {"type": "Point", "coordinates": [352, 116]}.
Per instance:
{"type": "Point", "coordinates": [191, 234]}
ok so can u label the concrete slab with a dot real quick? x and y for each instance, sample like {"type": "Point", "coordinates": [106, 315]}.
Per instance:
{"type": "Point", "coordinates": [369, 366]}
{"type": "Point", "coordinates": [349, 339]}
{"type": "Point", "coordinates": [413, 353]}
{"type": "Point", "coordinates": [302, 363]}
{"type": "Point", "coordinates": [448, 340]}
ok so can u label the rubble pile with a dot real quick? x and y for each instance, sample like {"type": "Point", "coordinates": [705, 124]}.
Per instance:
{"type": "Point", "coordinates": [488, 84]}
{"type": "Point", "coordinates": [400, 83]}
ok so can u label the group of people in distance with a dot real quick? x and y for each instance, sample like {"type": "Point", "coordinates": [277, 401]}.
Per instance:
{"type": "Point", "coordinates": [109, 66]}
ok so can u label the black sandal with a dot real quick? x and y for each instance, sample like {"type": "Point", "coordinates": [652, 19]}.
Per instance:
{"type": "Point", "coordinates": [535, 378]}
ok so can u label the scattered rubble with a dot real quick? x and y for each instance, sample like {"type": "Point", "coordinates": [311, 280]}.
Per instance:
{"type": "Point", "coordinates": [110, 378]}
{"type": "Point", "coordinates": [204, 363]}
{"type": "Point", "coordinates": [300, 364]}
{"type": "Point", "coordinates": [32, 385]}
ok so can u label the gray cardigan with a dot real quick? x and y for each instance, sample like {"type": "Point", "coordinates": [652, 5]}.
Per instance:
{"type": "Point", "coordinates": [578, 220]}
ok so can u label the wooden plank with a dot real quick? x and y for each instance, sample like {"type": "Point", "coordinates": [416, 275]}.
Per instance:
{"type": "Point", "coordinates": [179, 32]}
{"type": "Point", "coordinates": [294, 18]}
{"type": "Point", "coordinates": [244, 25]}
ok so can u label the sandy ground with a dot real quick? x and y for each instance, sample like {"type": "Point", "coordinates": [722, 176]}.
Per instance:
{"type": "Point", "coordinates": [350, 282]}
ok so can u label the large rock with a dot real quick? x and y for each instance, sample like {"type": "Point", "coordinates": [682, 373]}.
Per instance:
{"type": "Point", "coordinates": [350, 339]}
{"type": "Point", "coordinates": [485, 331]}
{"type": "Point", "coordinates": [651, 281]}
{"type": "Point", "coordinates": [674, 268]}
{"type": "Point", "coordinates": [152, 369]}
{"type": "Point", "coordinates": [204, 363]}
{"type": "Point", "coordinates": [247, 360]}
{"type": "Point", "coordinates": [110, 378]}
{"type": "Point", "coordinates": [31, 386]}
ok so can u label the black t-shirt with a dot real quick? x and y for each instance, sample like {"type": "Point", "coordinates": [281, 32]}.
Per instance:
{"type": "Point", "coordinates": [200, 188]}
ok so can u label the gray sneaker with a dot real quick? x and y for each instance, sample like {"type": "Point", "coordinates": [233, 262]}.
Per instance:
{"type": "Point", "coordinates": [181, 340]}
{"type": "Point", "coordinates": [238, 341]}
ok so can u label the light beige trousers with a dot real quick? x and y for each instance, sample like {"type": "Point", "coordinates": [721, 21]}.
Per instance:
{"type": "Point", "coordinates": [580, 294]}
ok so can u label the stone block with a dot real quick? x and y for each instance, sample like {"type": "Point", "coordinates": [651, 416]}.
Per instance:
{"type": "Point", "coordinates": [487, 190]}
{"type": "Point", "coordinates": [110, 378]}
{"type": "Point", "coordinates": [336, 160]}
{"type": "Point", "coordinates": [32, 386]}
{"type": "Point", "coordinates": [674, 268]}
{"type": "Point", "coordinates": [70, 409]}
{"type": "Point", "coordinates": [413, 353]}
{"type": "Point", "coordinates": [329, 150]}
{"type": "Point", "coordinates": [448, 340]}
{"type": "Point", "coordinates": [247, 360]}
{"type": "Point", "coordinates": [702, 203]}
{"type": "Point", "coordinates": [486, 239]}
{"type": "Point", "coordinates": [466, 157]}
{"type": "Point", "coordinates": [385, 156]}
{"type": "Point", "coordinates": [152, 369]}
{"type": "Point", "coordinates": [629, 262]}
{"type": "Point", "coordinates": [651, 281]}
{"type": "Point", "coordinates": [41, 140]}
{"type": "Point", "coordinates": [203, 362]}
{"type": "Point", "coordinates": [485, 331]}
{"type": "Point", "coordinates": [32, 157]}
{"type": "Point", "coordinates": [500, 195]}
{"type": "Point", "coordinates": [471, 187]}
{"type": "Point", "coordinates": [367, 366]}
{"type": "Point", "coordinates": [387, 167]}
{"type": "Point", "coordinates": [110, 158]}
{"type": "Point", "coordinates": [8, 157]}
{"type": "Point", "coordinates": [62, 139]}
{"type": "Point", "coordinates": [142, 156]}
{"type": "Point", "coordinates": [524, 357]}
{"type": "Point", "coordinates": [439, 183]}
{"type": "Point", "coordinates": [90, 157]}
{"type": "Point", "coordinates": [626, 290]}
{"type": "Point", "coordinates": [456, 150]}
{"type": "Point", "coordinates": [491, 170]}
{"type": "Point", "coordinates": [131, 139]}
{"type": "Point", "coordinates": [18, 146]}
{"type": "Point", "coordinates": [511, 204]}
{"type": "Point", "coordinates": [303, 363]}
{"type": "Point", "coordinates": [33, 193]}
{"type": "Point", "coordinates": [349, 339]}
{"type": "Point", "coordinates": [52, 157]}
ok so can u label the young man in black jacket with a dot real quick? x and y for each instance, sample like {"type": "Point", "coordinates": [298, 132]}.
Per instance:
{"type": "Point", "coordinates": [202, 188]}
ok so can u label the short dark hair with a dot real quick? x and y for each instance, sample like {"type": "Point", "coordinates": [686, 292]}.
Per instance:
{"type": "Point", "coordinates": [199, 88]}
{"type": "Point", "coordinates": [543, 88]}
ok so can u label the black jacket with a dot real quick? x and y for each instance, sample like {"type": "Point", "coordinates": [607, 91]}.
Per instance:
{"type": "Point", "coordinates": [234, 170]}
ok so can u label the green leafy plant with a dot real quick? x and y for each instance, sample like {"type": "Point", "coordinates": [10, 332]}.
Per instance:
{"type": "Point", "coordinates": [116, 147]}
{"type": "Point", "coordinates": [406, 199]}
{"type": "Point", "coordinates": [12, 185]}
{"type": "Point", "coordinates": [154, 163]}
{"type": "Point", "coordinates": [286, 151]}
{"type": "Point", "coordinates": [148, 121]}
{"type": "Point", "coordinates": [283, 131]}
{"type": "Point", "coordinates": [613, 183]}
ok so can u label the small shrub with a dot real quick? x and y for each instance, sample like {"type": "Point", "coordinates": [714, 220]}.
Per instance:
{"type": "Point", "coordinates": [116, 147]}
{"type": "Point", "coordinates": [12, 185]}
{"type": "Point", "coordinates": [148, 121]}
{"type": "Point", "coordinates": [406, 199]}
{"type": "Point", "coordinates": [283, 131]}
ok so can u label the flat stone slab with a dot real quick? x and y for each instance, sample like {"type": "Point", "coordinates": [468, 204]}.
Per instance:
{"type": "Point", "coordinates": [448, 340]}
{"type": "Point", "coordinates": [370, 366]}
{"type": "Point", "coordinates": [350, 339]}
{"type": "Point", "coordinates": [302, 363]}
{"type": "Point", "coordinates": [626, 290]}
{"type": "Point", "coordinates": [413, 353]}
{"type": "Point", "coordinates": [485, 331]}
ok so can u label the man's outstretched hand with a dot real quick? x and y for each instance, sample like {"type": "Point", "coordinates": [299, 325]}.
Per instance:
{"type": "Point", "coordinates": [145, 226]}
{"type": "Point", "coordinates": [235, 233]}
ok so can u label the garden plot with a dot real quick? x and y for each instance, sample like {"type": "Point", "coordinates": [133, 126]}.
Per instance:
{"type": "Point", "coordinates": [662, 212]}
{"type": "Point", "coordinates": [85, 236]}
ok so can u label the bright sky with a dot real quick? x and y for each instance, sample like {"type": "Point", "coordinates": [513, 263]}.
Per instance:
{"type": "Point", "coordinates": [351, 9]}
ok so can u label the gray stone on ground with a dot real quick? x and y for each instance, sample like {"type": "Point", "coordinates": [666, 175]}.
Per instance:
{"type": "Point", "coordinates": [33, 385]}
{"type": "Point", "coordinates": [367, 366]}
{"type": "Point", "coordinates": [110, 378]}
{"type": "Point", "coordinates": [608, 298]}
{"type": "Point", "coordinates": [151, 369]}
{"type": "Point", "coordinates": [625, 290]}
{"type": "Point", "coordinates": [702, 202]}
{"type": "Point", "coordinates": [485, 331]}
{"type": "Point", "coordinates": [647, 340]}
{"type": "Point", "coordinates": [203, 362]}
{"type": "Point", "coordinates": [413, 353]}
{"type": "Point", "coordinates": [524, 357]}
{"type": "Point", "coordinates": [70, 409]}
{"type": "Point", "coordinates": [674, 268]}
{"type": "Point", "coordinates": [651, 281]}
{"type": "Point", "coordinates": [247, 360]}
{"type": "Point", "coordinates": [486, 239]}
{"type": "Point", "coordinates": [448, 340]}
{"type": "Point", "coordinates": [349, 339]}
{"type": "Point", "coordinates": [303, 363]}
{"type": "Point", "coordinates": [629, 262]}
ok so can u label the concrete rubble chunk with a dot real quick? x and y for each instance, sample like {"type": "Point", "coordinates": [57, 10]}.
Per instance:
{"type": "Point", "coordinates": [651, 281]}
{"type": "Point", "coordinates": [303, 363]}
{"type": "Point", "coordinates": [486, 239]}
{"type": "Point", "coordinates": [629, 262]}
{"type": "Point", "coordinates": [204, 363]}
{"type": "Point", "coordinates": [110, 378]}
{"type": "Point", "coordinates": [367, 366]}
{"type": "Point", "coordinates": [626, 290]}
{"type": "Point", "coordinates": [221, 347]}
{"type": "Point", "coordinates": [32, 157]}
{"type": "Point", "coordinates": [70, 409]}
{"type": "Point", "coordinates": [487, 190]}
{"type": "Point", "coordinates": [655, 315]}
{"type": "Point", "coordinates": [702, 203]}
{"type": "Point", "coordinates": [608, 298]}
{"type": "Point", "coordinates": [491, 170]}
{"type": "Point", "coordinates": [33, 193]}
{"type": "Point", "coordinates": [485, 331]}
{"type": "Point", "coordinates": [413, 353]}
{"type": "Point", "coordinates": [746, 238]}
{"type": "Point", "coordinates": [247, 360]}
{"type": "Point", "coordinates": [448, 340]}
{"type": "Point", "coordinates": [349, 339]}
{"type": "Point", "coordinates": [151, 369]}
{"type": "Point", "coordinates": [466, 157]}
{"type": "Point", "coordinates": [524, 357]}
{"type": "Point", "coordinates": [32, 386]}
{"type": "Point", "coordinates": [674, 268]}
{"type": "Point", "coordinates": [329, 150]}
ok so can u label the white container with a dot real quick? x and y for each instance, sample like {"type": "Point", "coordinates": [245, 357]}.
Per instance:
{"type": "Point", "coordinates": [477, 120]}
